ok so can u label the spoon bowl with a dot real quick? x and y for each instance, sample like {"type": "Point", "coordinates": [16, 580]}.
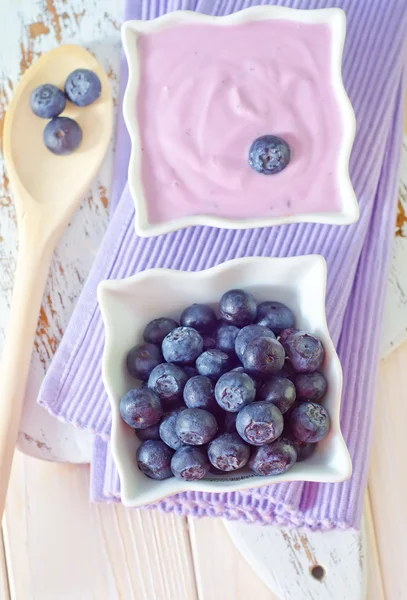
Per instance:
{"type": "Point", "coordinates": [56, 182]}
{"type": "Point", "coordinates": [46, 189]}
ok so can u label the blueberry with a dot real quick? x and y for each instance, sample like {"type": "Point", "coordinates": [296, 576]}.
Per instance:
{"type": "Point", "coordinates": [156, 330]}
{"type": "Point", "coordinates": [305, 352]}
{"type": "Point", "coordinates": [149, 433]}
{"type": "Point", "coordinates": [310, 422]}
{"type": "Point", "coordinates": [269, 154]}
{"type": "Point", "coordinates": [182, 345]}
{"type": "Point", "coordinates": [213, 363]}
{"type": "Point", "coordinates": [304, 449]}
{"type": "Point", "coordinates": [190, 463]}
{"type": "Point", "coordinates": [167, 429]}
{"type": "Point", "coordinates": [249, 333]}
{"type": "Point", "coordinates": [229, 422]}
{"type": "Point", "coordinates": [263, 356]}
{"type": "Point", "coordinates": [154, 459]}
{"type": "Point", "coordinates": [259, 423]}
{"type": "Point", "coordinates": [142, 359]}
{"type": "Point", "coordinates": [199, 316]}
{"type": "Point", "coordinates": [240, 369]}
{"type": "Point", "coordinates": [47, 101]}
{"type": "Point", "coordinates": [273, 459]}
{"type": "Point", "coordinates": [228, 452]}
{"type": "Point", "coordinates": [285, 334]}
{"type": "Point", "coordinates": [168, 382]}
{"type": "Point", "coordinates": [287, 371]}
{"type": "Point", "coordinates": [196, 426]}
{"type": "Point", "coordinates": [141, 408]}
{"type": "Point", "coordinates": [198, 393]}
{"type": "Point", "coordinates": [225, 337]}
{"type": "Point", "coordinates": [62, 136]}
{"type": "Point", "coordinates": [190, 371]}
{"type": "Point", "coordinates": [209, 342]}
{"type": "Point", "coordinates": [287, 427]}
{"type": "Point", "coordinates": [234, 390]}
{"type": "Point", "coordinates": [279, 391]}
{"type": "Point", "coordinates": [310, 386]}
{"type": "Point", "coordinates": [238, 307]}
{"type": "Point", "coordinates": [275, 315]}
{"type": "Point", "coordinates": [83, 87]}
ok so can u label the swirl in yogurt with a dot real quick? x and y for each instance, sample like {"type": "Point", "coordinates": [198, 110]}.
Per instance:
{"type": "Point", "coordinates": [206, 92]}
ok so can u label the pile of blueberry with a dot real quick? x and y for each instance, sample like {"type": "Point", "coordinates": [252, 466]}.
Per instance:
{"type": "Point", "coordinates": [63, 135]}
{"type": "Point", "coordinates": [221, 394]}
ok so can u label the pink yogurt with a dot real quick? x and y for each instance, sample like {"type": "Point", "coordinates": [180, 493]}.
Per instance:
{"type": "Point", "coordinates": [207, 92]}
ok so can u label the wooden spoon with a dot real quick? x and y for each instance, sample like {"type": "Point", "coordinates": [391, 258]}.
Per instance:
{"type": "Point", "coordinates": [47, 189]}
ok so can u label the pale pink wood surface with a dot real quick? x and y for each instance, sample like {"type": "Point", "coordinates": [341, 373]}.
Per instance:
{"type": "Point", "coordinates": [375, 584]}
{"type": "Point", "coordinates": [59, 546]}
{"type": "Point", "coordinates": [4, 588]}
{"type": "Point", "coordinates": [388, 474]}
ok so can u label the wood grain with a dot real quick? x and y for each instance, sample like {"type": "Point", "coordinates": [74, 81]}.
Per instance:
{"type": "Point", "coordinates": [375, 586]}
{"type": "Point", "coordinates": [4, 587]}
{"type": "Point", "coordinates": [284, 558]}
{"type": "Point", "coordinates": [221, 571]}
{"type": "Point", "coordinates": [58, 545]}
{"type": "Point", "coordinates": [388, 480]}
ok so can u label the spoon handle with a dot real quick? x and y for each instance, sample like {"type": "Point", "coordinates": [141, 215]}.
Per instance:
{"type": "Point", "coordinates": [34, 257]}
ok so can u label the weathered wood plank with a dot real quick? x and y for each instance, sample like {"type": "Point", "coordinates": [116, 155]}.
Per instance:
{"type": "Point", "coordinates": [388, 481]}
{"type": "Point", "coordinates": [4, 586]}
{"type": "Point", "coordinates": [285, 559]}
{"type": "Point", "coordinates": [221, 571]}
{"type": "Point", "coordinates": [375, 587]}
{"type": "Point", "coordinates": [58, 545]}
{"type": "Point", "coordinates": [76, 546]}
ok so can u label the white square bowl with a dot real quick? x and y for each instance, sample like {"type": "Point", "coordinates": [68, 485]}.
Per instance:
{"type": "Point", "coordinates": [128, 305]}
{"type": "Point", "coordinates": [335, 19]}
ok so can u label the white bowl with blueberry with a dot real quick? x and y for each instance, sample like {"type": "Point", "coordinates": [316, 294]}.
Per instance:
{"type": "Point", "coordinates": [227, 131]}
{"type": "Point", "coordinates": [223, 379]}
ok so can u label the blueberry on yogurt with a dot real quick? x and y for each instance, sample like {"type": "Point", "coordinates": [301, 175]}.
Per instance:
{"type": "Point", "coordinates": [269, 154]}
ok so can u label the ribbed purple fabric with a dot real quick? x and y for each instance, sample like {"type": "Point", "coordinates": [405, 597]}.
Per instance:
{"type": "Point", "coordinates": [357, 257]}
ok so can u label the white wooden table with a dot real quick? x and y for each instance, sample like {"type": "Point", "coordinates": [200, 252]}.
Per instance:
{"type": "Point", "coordinates": [55, 544]}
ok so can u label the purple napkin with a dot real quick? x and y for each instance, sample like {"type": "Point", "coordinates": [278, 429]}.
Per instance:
{"type": "Point", "coordinates": [358, 263]}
